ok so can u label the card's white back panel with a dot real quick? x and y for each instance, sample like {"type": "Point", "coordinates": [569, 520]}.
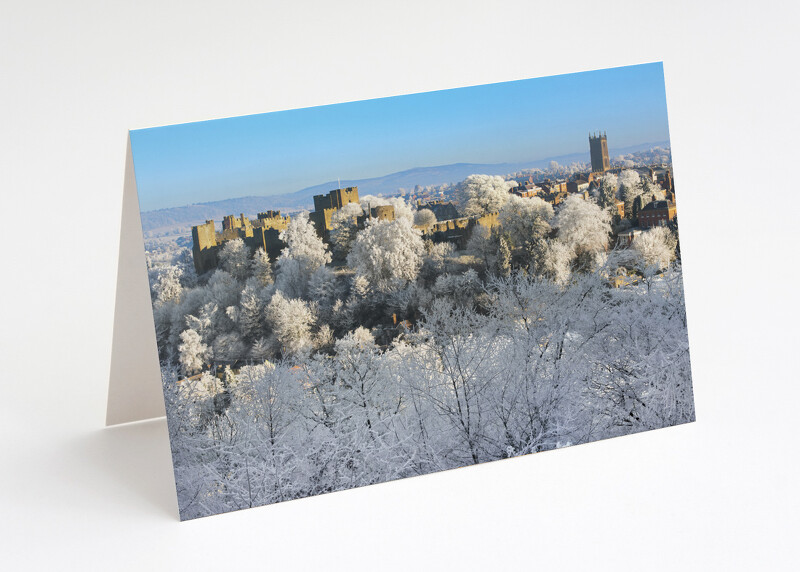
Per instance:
{"type": "Point", "coordinates": [134, 390]}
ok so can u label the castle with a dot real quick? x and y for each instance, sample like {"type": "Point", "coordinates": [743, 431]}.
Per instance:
{"type": "Point", "coordinates": [326, 205]}
{"type": "Point", "coordinates": [459, 230]}
{"type": "Point", "coordinates": [263, 232]}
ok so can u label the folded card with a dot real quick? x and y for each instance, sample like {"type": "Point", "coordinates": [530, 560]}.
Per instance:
{"type": "Point", "coordinates": [344, 295]}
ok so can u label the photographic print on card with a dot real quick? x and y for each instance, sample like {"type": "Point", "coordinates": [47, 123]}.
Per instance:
{"type": "Point", "coordinates": [354, 293]}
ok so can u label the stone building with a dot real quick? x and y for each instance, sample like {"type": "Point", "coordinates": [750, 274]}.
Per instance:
{"type": "Point", "coordinates": [263, 232]}
{"type": "Point", "coordinates": [656, 213]}
{"type": "Point", "coordinates": [204, 247]}
{"type": "Point", "coordinates": [383, 212]}
{"type": "Point", "coordinates": [555, 198]}
{"type": "Point", "coordinates": [459, 230]}
{"type": "Point", "coordinates": [526, 193]}
{"type": "Point", "coordinates": [554, 187]}
{"type": "Point", "coordinates": [598, 148]}
{"type": "Point", "coordinates": [626, 237]}
{"type": "Point", "coordinates": [326, 205]}
{"type": "Point", "coordinates": [441, 209]}
{"type": "Point", "coordinates": [577, 185]}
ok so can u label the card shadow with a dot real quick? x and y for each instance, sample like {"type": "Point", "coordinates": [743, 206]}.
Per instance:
{"type": "Point", "coordinates": [136, 458]}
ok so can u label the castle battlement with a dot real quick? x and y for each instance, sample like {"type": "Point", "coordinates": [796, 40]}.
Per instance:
{"type": "Point", "coordinates": [326, 205]}
{"type": "Point", "coordinates": [459, 230]}
{"type": "Point", "coordinates": [263, 232]}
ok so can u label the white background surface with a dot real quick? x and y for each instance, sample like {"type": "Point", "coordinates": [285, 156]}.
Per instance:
{"type": "Point", "coordinates": [718, 494]}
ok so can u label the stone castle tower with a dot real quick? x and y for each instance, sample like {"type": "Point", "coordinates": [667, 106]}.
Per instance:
{"type": "Point", "coordinates": [326, 205]}
{"type": "Point", "coordinates": [598, 148]}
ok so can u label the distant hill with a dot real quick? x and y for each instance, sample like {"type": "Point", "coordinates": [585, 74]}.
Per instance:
{"type": "Point", "coordinates": [190, 215]}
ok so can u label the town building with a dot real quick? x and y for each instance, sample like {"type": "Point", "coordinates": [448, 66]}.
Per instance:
{"type": "Point", "coordinates": [626, 237]}
{"type": "Point", "coordinates": [555, 198]}
{"type": "Point", "coordinates": [656, 213]}
{"type": "Point", "coordinates": [525, 192]}
{"type": "Point", "coordinates": [577, 185]}
{"type": "Point", "coordinates": [554, 187]}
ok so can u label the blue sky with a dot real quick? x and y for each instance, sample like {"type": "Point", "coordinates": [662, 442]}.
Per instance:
{"type": "Point", "coordinates": [286, 151]}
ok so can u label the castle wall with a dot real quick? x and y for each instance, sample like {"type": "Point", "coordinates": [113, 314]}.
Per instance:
{"type": "Point", "coordinates": [321, 202]}
{"type": "Point", "coordinates": [272, 219]}
{"type": "Point", "coordinates": [459, 231]}
{"type": "Point", "coordinates": [326, 205]}
{"type": "Point", "coordinates": [268, 239]}
{"type": "Point", "coordinates": [385, 212]}
{"type": "Point", "coordinates": [262, 232]}
{"type": "Point", "coordinates": [489, 220]}
{"type": "Point", "coordinates": [204, 247]}
{"type": "Point", "coordinates": [231, 222]}
{"type": "Point", "coordinates": [342, 197]}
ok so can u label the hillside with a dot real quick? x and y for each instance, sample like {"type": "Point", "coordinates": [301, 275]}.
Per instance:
{"type": "Point", "coordinates": [388, 184]}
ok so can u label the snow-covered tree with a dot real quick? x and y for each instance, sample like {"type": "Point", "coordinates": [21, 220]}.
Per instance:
{"type": "Point", "coordinates": [251, 312]}
{"type": "Point", "coordinates": [234, 258]}
{"type": "Point", "coordinates": [167, 287]}
{"type": "Point", "coordinates": [344, 228]}
{"type": "Point", "coordinates": [629, 178]}
{"type": "Point", "coordinates": [325, 288]}
{"type": "Point", "coordinates": [480, 194]}
{"type": "Point", "coordinates": [584, 228]}
{"type": "Point", "coordinates": [435, 259]}
{"type": "Point", "coordinates": [482, 245]}
{"type": "Point", "coordinates": [503, 258]}
{"type": "Point", "coordinates": [607, 194]}
{"type": "Point", "coordinates": [291, 321]}
{"type": "Point", "coordinates": [261, 350]}
{"type": "Point", "coordinates": [655, 248]}
{"type": "Point", "coordinates": [193, 352]}
{"type": "Point", "coordinates": [524, 220]}
{"type": "Point", "coordinates": [460, 288]}
{"type": "Point", "coordinates": [452, 369]}
{"type": "Point", "coordinates": [229, 347]}
{"type": "Point", "coordinates": [203, 321]}
{"type": "Point", "coordinates": [387, 254]}
{"type": "Point", "coordinates": [262, 267]}
{"type": "Point", "coordinates": [630, 187]}
{"type": "Point", "coordinates": [222, 289]}
{"type": "Point", "coordinates": [401, 207]}
{"type": "Point", "coordinates": [364, 390]}
{"type": "Point", "coordinates": [556, 260]}
{"type": "Point", "coordinates": [424, 218]}
{"type": "Point", "coordinates": [304, 253]}
{"type": "Point", "coordinates": [185, 260]}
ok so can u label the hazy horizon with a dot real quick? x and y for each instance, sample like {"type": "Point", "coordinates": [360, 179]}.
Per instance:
{"type": "Point", "coordinates": [287, 151]}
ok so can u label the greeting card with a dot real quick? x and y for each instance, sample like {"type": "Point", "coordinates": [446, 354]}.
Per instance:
{"type": "Point", "coordinates": [338, 296]}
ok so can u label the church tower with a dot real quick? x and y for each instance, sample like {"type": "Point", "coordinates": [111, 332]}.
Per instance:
{"type": "Point", "coordinates": [598, 148]}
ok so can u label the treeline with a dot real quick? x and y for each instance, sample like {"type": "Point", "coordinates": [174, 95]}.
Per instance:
{"type": "Point", "coordinates": [544, 366]}
{"type": "Point", "coordinates": [298, 376]}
